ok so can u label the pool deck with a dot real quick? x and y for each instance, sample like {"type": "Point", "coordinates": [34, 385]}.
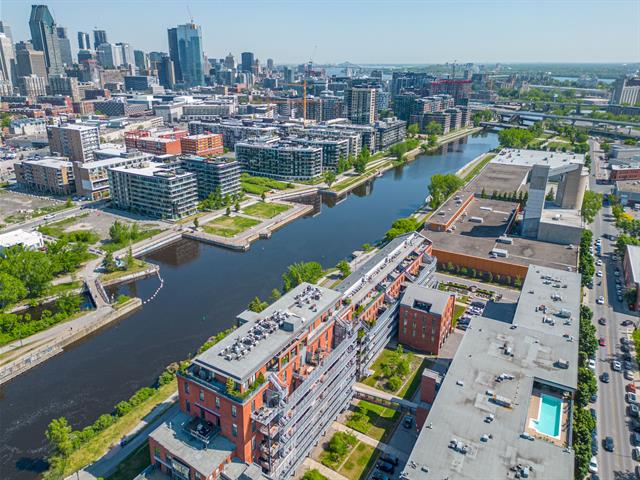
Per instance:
{"type": "Point", "coordinates": [533, 412]}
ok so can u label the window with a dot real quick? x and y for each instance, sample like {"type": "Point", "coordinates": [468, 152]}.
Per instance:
{"type": "Point", "coordinates": [234, 429]}
{"type": "Point", "coordinates": [234, 411]}
{"type": "Point", "coordinates": [186, 387]}
{"type": "Point", "coordinates": [253, 443]}
{"type": "Point", "coordinates": [156, 452]}
{"type": "Point", "coordinates": [218, 403]}
{"type": "Point", "coordinates": [202, 395]}
{"type": "Point", "coordinates": [253, 406]}
{"type": "Point", "coordinates": [188, 406]}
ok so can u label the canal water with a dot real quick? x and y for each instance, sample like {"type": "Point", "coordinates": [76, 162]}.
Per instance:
{"type": "Point", "coordinates": [204, 288]}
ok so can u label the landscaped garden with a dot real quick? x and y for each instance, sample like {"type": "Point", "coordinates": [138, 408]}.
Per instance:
{"type": "Point", "coordinates": [373, 420]}
{"type": "Point", "coordinates": [348, 456]}
{"type": "Point", "coordinates": [228, 226]}
{"type": "Point", "coordinates": [394, 371]}
{"type": "Point", "coordinates": [260, 185]}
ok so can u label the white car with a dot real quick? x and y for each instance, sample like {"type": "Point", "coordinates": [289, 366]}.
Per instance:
{"type": "Point", "coordinates": [599, 262]}
{"type": "Point", "coordinates": [616, 366]}
{"type": "Point", "coordinates": [592, 364]}
{"type": "Point", "coordinates": [600, 300]}
{"type": "Point", "coordinates": [593, 465]}
{"type": "Point", "coordinates": [49, 216]}
{"type": "Point", "coordinates": [599, 273]}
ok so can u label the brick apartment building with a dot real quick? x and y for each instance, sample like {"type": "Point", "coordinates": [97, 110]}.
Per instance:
{"type": "Point", "coordinates": [425, 319]}
{"type": "Point", "coordinates": [166, 143]}
{"type": "Point", "coordinates": [254, 405]}
{"type": "Point", "coordinates": [625, 172]}
{"type": "Point", "coordinates": [202, 145]}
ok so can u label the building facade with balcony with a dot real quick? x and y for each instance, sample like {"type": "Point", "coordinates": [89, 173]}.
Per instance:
{"type": "Point", "coordinates": [280, 159]}
{"type": "Point", "coordinates": [53, 175]}
{"type": "Point", "coordinates": [254, 405]}
{"type": "Point", "coordinates": [154, 190]}
{"type": "Point", "coordinates": [214, 173]}
{"type": "Point", "coordinates": [202, 144]}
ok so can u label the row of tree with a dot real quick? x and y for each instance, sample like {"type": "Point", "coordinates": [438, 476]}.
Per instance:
{"type": "Point", "coordinates": [441, 186]}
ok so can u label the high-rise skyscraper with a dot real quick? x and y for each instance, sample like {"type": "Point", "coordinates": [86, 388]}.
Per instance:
{"type": "Point", "coordinates": [109, 55]}
{"type": "Point", "coordinates": [6, 29]}
{"type": "Point", "coordinates": [7, 60]}
{"type": "Point", "coordinates": [141, 59]}
{"type": "Point", "coordinates": [44, 37]}
{"type": "Point", "coordinates": [185, 50]}
{"type": "Point", "coordinates": [84, 41]}
{"type": "Point", "coordinates": [29, 61]}
{"type": "Point", "coordinates": [166, 73]}
{"type": "Point", "coordinates": [361, 105]}
{"type": "Point", "coordinates": [247, 60]}
{"type": "Point", "coordinates": [126, 53]}
{"type": "Point", "coordinates": [99, 37]}
{"type": "Point", "coordinates": [65, 46]}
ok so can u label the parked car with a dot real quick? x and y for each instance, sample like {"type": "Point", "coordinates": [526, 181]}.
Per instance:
{"type": "Point", "coordinates": [387, 457]}
{"type": "Point", "coordinates": [635, 438]}
{"type": "Point", "coordinates": [594, 398]}
{"type": "Point", "coordinates": [635, 453]}
{"type": "Point", "coordinates": [592, 364]}
{"type": "Point", "coordinates": [605, 377]}
{"type": "Point", "coordinates": [608, 444]}
{"type": "Point", "coordinates": [593, 413]}
{"type": "Point", "coordinates": [631, 397]}
{"type": "Point", "coordinates": [593, 465]}
{"type": "Point", "coordinates": [386, 467]}
{"type": "Point", "coordinates": [628, 375]}
{"type": "Point", "coordinates": [602, 321]}
{"type": "Point", "coordinates": [627, 365]}
{"type": "Point", "coordinates": [408, 421]}
{"type": "Point", "coordinates": [616, 366]}
{"type": "Point", "coordinates": [626, 323]}
{"type": "Point", "coordinates": [633, 410]}
{"type": "Point", "coordinates": [630, 387]}
{"type": "Point", "coordinates": [378, 475]}
{"type": "Point", "coordinates": [599, 273]}
{"type": "Point", "coordinates": [602, 342]}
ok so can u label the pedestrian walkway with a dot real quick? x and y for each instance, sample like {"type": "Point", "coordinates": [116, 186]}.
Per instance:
{"type": "Point", "coordinates": [311, 464]}
{"type": "Point", "coordinates": [367, 393]}
{"type": "Point", "coordinates": [372, 441]}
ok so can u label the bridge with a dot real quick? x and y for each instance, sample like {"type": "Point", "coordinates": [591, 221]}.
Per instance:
{"type": "Point", "coordinates": [508, 114]}
{"type": "Point", "coordinates": [387, 400]}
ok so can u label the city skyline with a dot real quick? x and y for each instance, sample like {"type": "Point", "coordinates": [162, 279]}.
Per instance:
{"type": "Point", "coordinates": [353, 29]}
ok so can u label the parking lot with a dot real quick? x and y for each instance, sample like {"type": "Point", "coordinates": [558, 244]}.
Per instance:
{"type": "Point", "coordinates": [16, 206]}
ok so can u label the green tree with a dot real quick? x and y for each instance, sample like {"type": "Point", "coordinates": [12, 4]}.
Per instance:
{"type": "Point", "coordinates": [33, 268]}
{"type": "Point", "coordinates": [263, 196]}
{"type": "Point", "coordinates": [59, 435]}
{"type": "Point", "coordinates": [275, 295]}
{"type": "Point", "coordinates": [394, 383]}
{"type": "Point", "coordinates": [515, 137]}
{"type": "Point", "coordinates": [551, 196]}
{"type": "Point", "coordinates": [236, 207]}
{"type": "Point", "coordinates": [401, 226]}
{"type": "Point", "coordinates": [12, 290]}
{"type": "Point", "coordinates": [119, 232]}
{"type": "Point", "coordinates": [257, 305]}
{"type": "Point", "coordinates": [433, 128]}
{"type": "Point", "coordinates": [228, 211]}
{"type": "Point", "coordinates": [441, 186]}
{"type": "Point", "coordinates": [329, 177]}
{"type": "Point", "coordinates": [413, 129]}
{"type": "Point", "coordinates": [587, 386]}
{"type": "Point", "coordinates": [196, 223]}
{"type": "Point", "coordinates": [345, 269]}
{"type": "Point", "coordinates": [109, 263]}
{"type": "Point", "coordinates": [301, 272]}
{"type": "Point", "coordinates": [313, 474]}
{"type": "Point", "coordinates": [591, 205]}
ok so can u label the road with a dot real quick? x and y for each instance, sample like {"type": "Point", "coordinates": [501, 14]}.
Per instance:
{"type": "Point", "coordinates": [612, 418]}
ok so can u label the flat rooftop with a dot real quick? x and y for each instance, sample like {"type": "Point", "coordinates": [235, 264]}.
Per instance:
{"type": "Point", "coordinates": [52, 162]}
{"type": "Point", "coordinates": [434, 300]}
{"type": "Point", "coordinates": [173, 436]}
{"type": "Point", "coordinates": [628, 186]}
{"type": "Point", "coordinates": [497, 359]}
{"type": "Point", "coordinates": [634, 260]}
{"type": "Point", "coordinates": [151, 169]}
{"type": "Point", "coordinates": [499, 177]}
{"type": "Point", "coordinates": [450, 208]}
{"type": "Point", "coordinates": [562, 216]}
{"type": "Point", "coordinates": [529, 158]}
{"type": "Point", "coordinates": [479, 239]}
{"type": "Point", "coordinates": [264, 335]}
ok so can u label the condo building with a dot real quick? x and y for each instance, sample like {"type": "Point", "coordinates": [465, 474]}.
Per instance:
{"type": "Point", "coordinates": [280, 159]}
{"type": "Point", "coordinates": [202, 144]}
{"type": "Point", "coordinates": [165, 143]}
{"type": "Point", "coordinates": [254, 405]}
{"type": "Point", "coordinates": [213, 173]}
{"type": "Point", "coordinates": [78, 142]}
{"type": "Point", "coordinates": [361, 105]}
{"type": "Point", "coordinates": [154, 189]}
{"type": "Point", "coordinates": [53, 175]}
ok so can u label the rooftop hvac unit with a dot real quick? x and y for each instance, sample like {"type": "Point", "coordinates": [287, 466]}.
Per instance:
{"type": "Point", "coordinates": [505, 239]}
{"type": "Point", "coordinates": [476, 219]}
{"type": "Point", "coordinates": [500, 252]}
{"type": "Point", "coordinates": [488, 209]}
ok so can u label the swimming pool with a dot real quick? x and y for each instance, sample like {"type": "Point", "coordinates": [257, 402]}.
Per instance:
{"type": "Point", "coordinates": [549, 416]}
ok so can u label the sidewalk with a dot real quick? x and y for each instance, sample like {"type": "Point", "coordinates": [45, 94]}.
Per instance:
{"type": "Point", "coordinates": [371, 441]}
{"type": "Point", "coordinates": [107, 464]}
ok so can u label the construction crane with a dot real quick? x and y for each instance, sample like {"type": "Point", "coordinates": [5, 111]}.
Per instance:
{"type": "Point", "coordinates": [304, 97]}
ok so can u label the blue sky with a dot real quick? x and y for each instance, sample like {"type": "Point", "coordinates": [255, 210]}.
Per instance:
{"type": "Point", "coordinates": [365, 31]}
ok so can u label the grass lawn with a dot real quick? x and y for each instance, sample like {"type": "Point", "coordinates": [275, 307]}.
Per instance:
{"type": "Point", "coordinates": [351, 180]}
{"type": "Point", "coordinates": [260, 185]}
{"type": "Point", "coordinates": [359, 462]}
{"type": "Point", "coordinates": [39, 212]}
{"type": "Point", "coordinates": [133, 464]}
{"type": "Point", "coordinates": [377, 422]}
{"type": "Point", "coordinates": [229, 226]}
{"type": "Point", "coordinates": [468, 176]}
{"type": "Point", "coordinates": [98, 445]}
{"type": "Point", "coordinates": [109, 246]}
{"type": "Point", "coordinates": [56, 229]}
{"type": "Point", "coordinates": [457, 313]}
{"type": "Point", "coordinates": [138, 266]}
{"type": "Point", "coordinates": [265, 210]}
{"type": "Point", "coordinates": [62, 288]}
{"type": "Point", "coordinates": [412, 384]}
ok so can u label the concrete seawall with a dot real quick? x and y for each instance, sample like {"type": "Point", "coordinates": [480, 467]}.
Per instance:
{"type": "Point", "coordinates": [51, 348]}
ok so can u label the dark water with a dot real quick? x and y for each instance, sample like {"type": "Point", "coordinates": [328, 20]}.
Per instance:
{"type": "Point", "coordinates": [205, 287]}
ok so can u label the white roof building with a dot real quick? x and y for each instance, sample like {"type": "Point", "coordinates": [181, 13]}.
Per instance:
{"type": "Point", "coordinates": [29, 240]}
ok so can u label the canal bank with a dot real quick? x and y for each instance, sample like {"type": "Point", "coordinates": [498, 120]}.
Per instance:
{"type": "Point", "coordinates": [204, 288]}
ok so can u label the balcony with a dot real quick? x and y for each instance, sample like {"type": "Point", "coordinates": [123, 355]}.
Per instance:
{"type": "Point", "coordinates": [201, 429]}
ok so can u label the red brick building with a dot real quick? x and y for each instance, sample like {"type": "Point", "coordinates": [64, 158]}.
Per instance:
{"type": "Point", "coordinates": [425, 320]}
{"type": "Point", "coordinates": [625, 172]}
{"type": "Point", "coordinates": [165, 143]}
{"type": "Point", "coordinates": [202, 145]}
{"type": "Point", "coordinates": [429, 383]}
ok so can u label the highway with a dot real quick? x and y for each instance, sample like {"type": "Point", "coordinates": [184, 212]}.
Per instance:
{"type": "Point", "coordinates": [611, 408]}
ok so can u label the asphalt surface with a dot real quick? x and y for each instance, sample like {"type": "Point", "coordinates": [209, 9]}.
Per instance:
{"type": "Point", "coordinates": [612, 410]}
